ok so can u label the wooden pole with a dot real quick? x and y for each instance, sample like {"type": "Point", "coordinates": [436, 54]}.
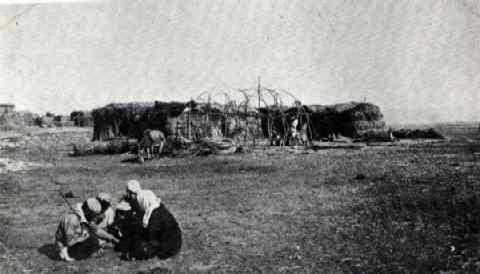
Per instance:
{"type": "Point", "coordinates": [258, 92]}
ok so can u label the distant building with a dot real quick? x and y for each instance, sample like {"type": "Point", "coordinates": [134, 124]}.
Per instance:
{"type": "Point", "coordinates": [26, 118]}
{"type": "Point", "coordinates": [7, 108]}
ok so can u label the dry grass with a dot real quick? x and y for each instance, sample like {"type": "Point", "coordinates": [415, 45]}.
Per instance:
{"type": "Point", "coordinates": [266, 211]}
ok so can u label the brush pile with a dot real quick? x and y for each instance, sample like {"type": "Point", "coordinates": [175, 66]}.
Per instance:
{"type": "Point", "coordinates": [182, 147]}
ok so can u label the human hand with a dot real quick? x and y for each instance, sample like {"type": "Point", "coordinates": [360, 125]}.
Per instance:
{"type": "Point", "coordinates": [83, 235]}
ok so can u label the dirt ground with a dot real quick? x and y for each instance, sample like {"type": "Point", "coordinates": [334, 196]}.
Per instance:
{"type": "Point", "coordinates": [270, 210]}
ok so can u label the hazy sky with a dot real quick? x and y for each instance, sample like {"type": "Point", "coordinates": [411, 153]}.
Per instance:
{"type": "Point", "coordinates": [418, 60]}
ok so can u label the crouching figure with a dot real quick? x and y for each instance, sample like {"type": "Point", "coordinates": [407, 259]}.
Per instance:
{"type": "Point", "coordinates": [127, 227]}
{"type": "Point", "coordinates": [88, 221]}
{"type": "Point", "coordinates": [149, 230]}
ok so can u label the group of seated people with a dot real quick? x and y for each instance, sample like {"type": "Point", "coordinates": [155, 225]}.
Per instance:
{"type": "Point", "coordinates": [140, 226]}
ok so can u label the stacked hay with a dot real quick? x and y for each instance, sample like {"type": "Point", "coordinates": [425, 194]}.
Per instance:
{"type": "Point", "coordinates": [356, 120]}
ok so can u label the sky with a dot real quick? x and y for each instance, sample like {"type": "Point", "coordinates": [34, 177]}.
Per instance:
{"type": "Point", "coordinates": [418, 60]}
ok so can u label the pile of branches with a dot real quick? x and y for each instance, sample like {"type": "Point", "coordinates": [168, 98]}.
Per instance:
{"type": "Point", "coordinates": [181, 147]}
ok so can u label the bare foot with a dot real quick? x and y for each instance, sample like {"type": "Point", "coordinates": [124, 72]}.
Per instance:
{"type": "Point", "coordinates": [64, 256]}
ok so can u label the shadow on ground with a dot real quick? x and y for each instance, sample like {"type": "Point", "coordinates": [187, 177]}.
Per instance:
{"type": "Point", "coordinates": [156, 270]}
{"type": "Point", "coordinates": [79, 251]}
{"type": "Point", "coordinates": [131, 160]}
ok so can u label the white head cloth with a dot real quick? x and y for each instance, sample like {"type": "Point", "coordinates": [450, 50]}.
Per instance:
{"type": "Point", "coordinates": [103, 196]}
{"type": "Point", "coordinates": [148, 202]}
{"type": "Point", "coordinates": [134, 186]}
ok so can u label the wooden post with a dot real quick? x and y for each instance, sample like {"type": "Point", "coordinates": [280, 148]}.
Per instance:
{"type": "Point", "coordinates": [188, 126]}
{"type": "Point", "coordinates": [258, 92]}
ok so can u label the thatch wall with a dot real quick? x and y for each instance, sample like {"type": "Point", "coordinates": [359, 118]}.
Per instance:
{"type": "Point", "coordinates": [82, 118]}
{"type": "Point", "coordinates": [131, 119]}
{"type": "Point", "coordinates": [278, 120]}
{"type": "Point", "coordinates": [196, 121]}
{"type": "Point", "coordinates": [190, 120]}
{"type": "Point", "coordinates": [351, 119]}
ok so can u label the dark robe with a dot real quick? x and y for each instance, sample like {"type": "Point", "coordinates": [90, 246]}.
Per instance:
{"type": "Point", "coordinates": [163, 233]}
{"type": "Point", "coordinates": [162, 237]}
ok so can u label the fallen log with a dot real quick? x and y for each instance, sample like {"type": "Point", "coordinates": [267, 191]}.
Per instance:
{"type": "Point", "coordinates": [114, 146]}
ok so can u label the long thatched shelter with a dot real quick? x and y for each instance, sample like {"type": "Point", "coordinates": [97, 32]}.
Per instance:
{"type": "Point", "coordinates": [192, 120]}
{"type": "Point", "coordinates": [244, 114]}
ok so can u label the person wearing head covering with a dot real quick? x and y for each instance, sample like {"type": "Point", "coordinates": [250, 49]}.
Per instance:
{"type": "Point", "coordinates": [88, 218]}
{"type": "Point", "coordinates": [108, 212]}
{"type": "Point", "coordinates": [129, 230]}
{"type": "Point", "coordinates": [133, 188]}
{"type": "Point", "coordinates": [163, 237]}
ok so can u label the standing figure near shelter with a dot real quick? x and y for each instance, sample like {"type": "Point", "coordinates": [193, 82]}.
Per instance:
{"type": "Point", "coordinates": [304, 135]}
{"type": "Point", "coordinates": [89, 218]}
{"type": "Point", "coordinates": [292, 135]}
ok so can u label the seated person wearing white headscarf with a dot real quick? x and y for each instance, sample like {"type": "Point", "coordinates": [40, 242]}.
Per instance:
{"type": "Point", "coordinates": [163, 237]}
{"type": "Point", "coordinates": [89, 218]}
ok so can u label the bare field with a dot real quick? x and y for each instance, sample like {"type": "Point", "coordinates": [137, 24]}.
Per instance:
{"type": "Point", "coordinates": [405, 208]}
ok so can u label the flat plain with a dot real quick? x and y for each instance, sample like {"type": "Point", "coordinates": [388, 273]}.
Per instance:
{"type": "Point", "coordinates": [393, 207]}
